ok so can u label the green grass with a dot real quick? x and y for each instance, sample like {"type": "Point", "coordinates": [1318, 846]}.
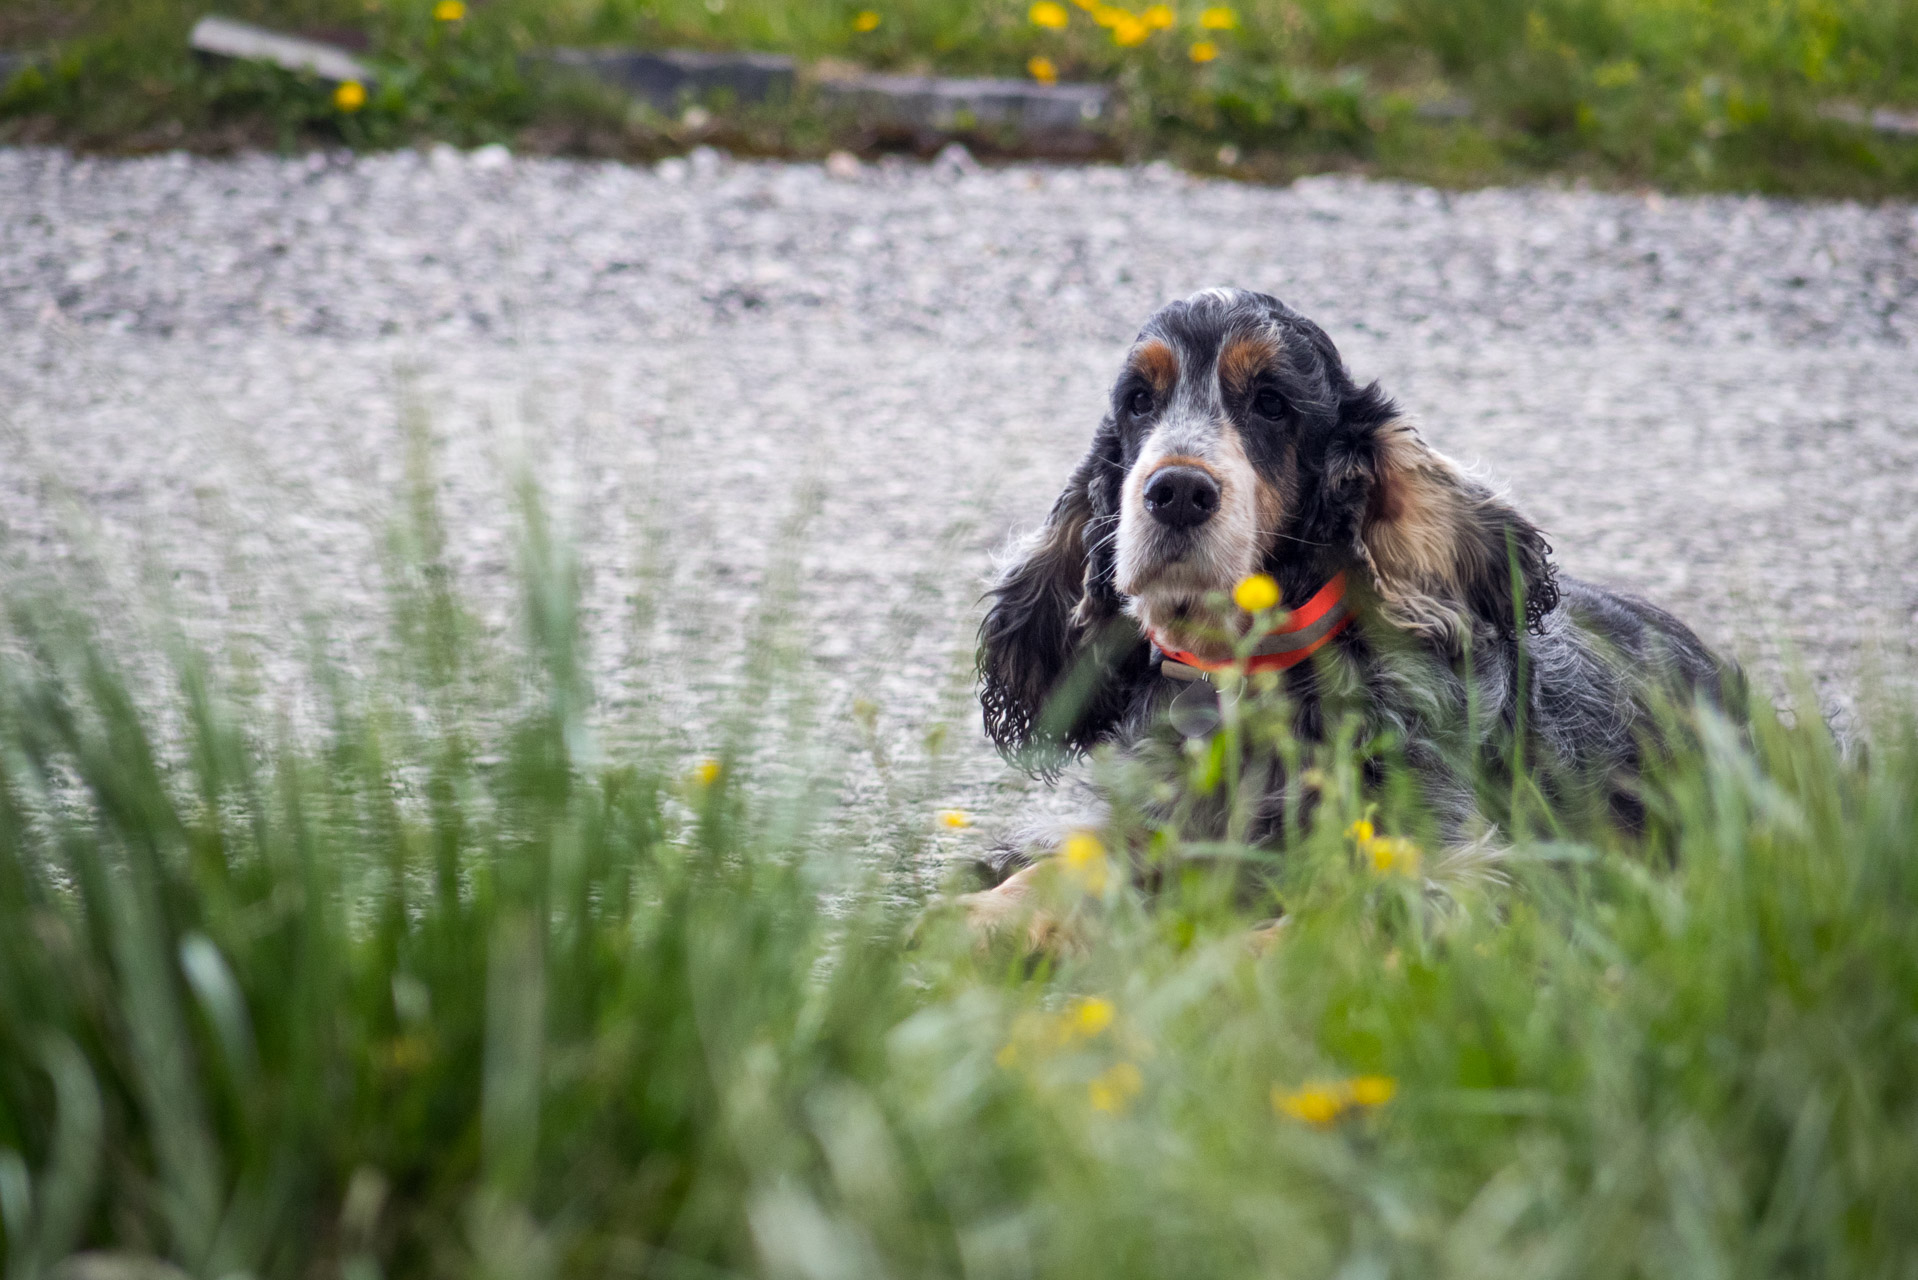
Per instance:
{"type": "Point", "coordinates": [437, 986]}
{"type": "Point", "coordinates": [1687, 94]}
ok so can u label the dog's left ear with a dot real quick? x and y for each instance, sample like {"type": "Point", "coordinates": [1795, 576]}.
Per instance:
{"type": "Point", "coordinates": [1054, 630]}
{"type": "Point", "coordinates": [1447, 554]}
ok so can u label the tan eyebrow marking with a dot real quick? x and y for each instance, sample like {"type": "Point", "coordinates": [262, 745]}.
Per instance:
{"type": "Point", "coordinates": [1244, 357]}
{"type": "Point", "coordinates": [1158, 364]}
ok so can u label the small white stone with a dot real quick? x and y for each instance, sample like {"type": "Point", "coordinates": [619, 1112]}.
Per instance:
{"type": "Point", "coordinates": [491, 157]}
{"type": "Point", "coordinates": [954, 160]}
{"type": "Point", "coordinates": [843, 165]}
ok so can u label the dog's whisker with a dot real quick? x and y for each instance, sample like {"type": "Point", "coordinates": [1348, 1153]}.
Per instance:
{"type": "Point", "coordinates": [1290, 537]}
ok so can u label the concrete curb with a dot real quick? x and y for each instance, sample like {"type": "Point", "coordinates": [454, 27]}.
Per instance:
{"type": "Point", "coordinates": [666, 78]}
{"type": "Point", "coordinates": [933, 104]}
{"type": "Point", "coordinates": [926, 108]}
{"type": "Point", "coordinates": [217, 37]}
{"type": "Point", "coordinates": [1902, 124]}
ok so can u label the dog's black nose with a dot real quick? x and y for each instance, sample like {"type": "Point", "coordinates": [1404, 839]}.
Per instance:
{"type": "Point", "coordinates": [1181, 497]}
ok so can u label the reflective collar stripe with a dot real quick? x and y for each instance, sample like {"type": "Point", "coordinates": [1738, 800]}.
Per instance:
{"type": "Point", "coordinates": [1306, 630]}
{"type": "Point", "coordinates": [1308, 637]}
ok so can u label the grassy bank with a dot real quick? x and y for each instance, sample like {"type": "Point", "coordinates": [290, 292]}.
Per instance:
{"type": "Point", "coordinates": [435, 987]}
{"type": "Point", "coordinates": [1729, 96]}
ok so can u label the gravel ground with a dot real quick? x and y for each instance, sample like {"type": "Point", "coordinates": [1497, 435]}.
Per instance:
{"type": "Point", "coordinates": [717, 369]}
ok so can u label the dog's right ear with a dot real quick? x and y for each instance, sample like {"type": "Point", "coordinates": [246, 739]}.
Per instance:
{"type": "Point", "coordinates": [1047, 645]}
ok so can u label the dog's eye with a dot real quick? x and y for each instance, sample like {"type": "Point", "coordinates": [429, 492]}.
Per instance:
{"type": "Point", "coordinates": [1268, 403]}
{"type": "Point", "coordinates": [1139, 402]}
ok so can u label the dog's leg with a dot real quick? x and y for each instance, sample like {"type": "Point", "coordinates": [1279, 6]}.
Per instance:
{"type": "Point", "coordinates": [1018, 906]}
{"type": "Point", "coordinates": [992, 912]}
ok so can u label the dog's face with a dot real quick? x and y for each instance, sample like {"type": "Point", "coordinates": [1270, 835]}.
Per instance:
{"type": "Point", "coordinates": [1224, 401]}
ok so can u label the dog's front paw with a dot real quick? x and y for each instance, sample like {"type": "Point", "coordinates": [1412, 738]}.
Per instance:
{"type": "Point", "coordinates": [1017, 909]}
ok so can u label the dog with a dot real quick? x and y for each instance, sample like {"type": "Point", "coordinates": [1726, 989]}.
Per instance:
{"type": "Point", "coordinates": [1414, 598]}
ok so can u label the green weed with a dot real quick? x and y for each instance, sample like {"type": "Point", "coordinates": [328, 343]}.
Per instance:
{"type": "Point", "coordinates": [440, 986]}
{"type": "Point", "coordinates": [1743, 95]}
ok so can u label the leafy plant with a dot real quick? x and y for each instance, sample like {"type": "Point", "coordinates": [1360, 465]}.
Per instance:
{"type": "Point", "coordinates": [443, 987]}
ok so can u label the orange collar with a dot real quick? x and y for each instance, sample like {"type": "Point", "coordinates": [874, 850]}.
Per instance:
{"type": "Point", "coordinates": [1304, 632]}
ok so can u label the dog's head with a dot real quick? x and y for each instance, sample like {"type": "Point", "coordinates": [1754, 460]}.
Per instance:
{"type": "Point", "coordinates": [1235, 443]}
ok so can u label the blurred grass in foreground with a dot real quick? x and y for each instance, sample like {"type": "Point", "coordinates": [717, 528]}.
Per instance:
{"type": "Point", "coordinates": [1727, 95]}
{"type": "Point", "coordinates": [438, 990]}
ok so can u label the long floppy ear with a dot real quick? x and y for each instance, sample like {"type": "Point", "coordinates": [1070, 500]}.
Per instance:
{"type": "Point", "coordinates": [1443, 547]}
{"type": "Point", "coordinates": [1054, 632]}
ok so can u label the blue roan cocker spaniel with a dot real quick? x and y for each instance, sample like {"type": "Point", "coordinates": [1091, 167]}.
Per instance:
{"type": "Point", "coordinates": [1414, 598]}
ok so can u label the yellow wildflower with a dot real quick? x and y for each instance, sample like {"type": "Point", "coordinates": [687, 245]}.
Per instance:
{"type": "Point", "coordinates": [1113, 1089]}
{"type": "Point", "coordinates": [1360, 831]}
{"type": "Point", "coordinates": [350, 96]}
{"type": "Point", "coordinates": [1158, 17]}
{"type": "Point", "coordinates": [1393, 853]}
{"type": "Point", "coordinates": [1107, 15]}
{"type": "Point", "coordinates": [1008, 1055]}
{"type": "Point", "coordinates": [1042, 69]}
{"type": "Point", "coordinates": [449, 11]}
{"type": "Point", "coordinates": [1318, 1103]}
{"type": "Point", "coordinates": [1219, 19]}
{"type": "Point", "coordinates": [1321, 1102]}
{"type": "Point", "coordinates": [1256, 593]}
{"type": "Point", "coordinates": [954, 818]}
{"type": "Point", "coordinates": [865, 20]}
{"type": "Point", "coordinates": [1090, 1015]}
{"type": "Point", "coordinates": [1372, 1091]}
{"type": "Point", "coordinates": [1086, 862]}
{"type": "Point", "coordinates": [1203, 51]}
{"type": "Point", "coordinates": [1049, 15]}
{"type": "Point", "coordinates": [706, 771]}
{"type": "Point", "coordinates": [1129, 31]}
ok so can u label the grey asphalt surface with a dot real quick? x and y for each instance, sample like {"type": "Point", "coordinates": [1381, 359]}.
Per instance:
{"type": "Point", "coordinates": [208, 368]}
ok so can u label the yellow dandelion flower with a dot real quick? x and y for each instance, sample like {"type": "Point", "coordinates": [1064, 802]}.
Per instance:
{"type": "Point", "coordinates": [1203, 51]}
{"type": "Point", "coordinates": [1317, 1103]}
{"type": "Point", "coordinates": [1129, 31]}
{"type": "Point", "coordinates": [1113, 1090]}
{"type": "Point", "coordinates": [954, 818]}
{"type": "Point", "coordinates": [1051, 16]}
{"type": "Point", "coordinates": [350, 96]}
{"type": "Point", "coordinates": [1108, 16]}
{"type": "Point", "coordinates": [706, 771]}
{"type": "Point", "coordinates": [1219, 18]}
{"type": "Point", "coordinates": [1090, 1015]}
{"type": "Point", "coordinates": [1008, 1055]}
{"type": "Point", "coordinates": [1360, 831]}
{"type": "Point", "coordinates": [1372, 1091]}
{"type": "Point", "coordinates": [1042, 70]}
{"type": "Point", "coordinates": [866, 20]}
{"type": "Point", "coordinates": [1158, 17]}
{"type": "Point", "coordinates": [1086, 862]}
{"type": "Point", "coordinates": [449, 10]}
{"type": "Point", "coordinates": [1393, 853]}
{"type": "Point", "coordinates": [1256, 593]}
